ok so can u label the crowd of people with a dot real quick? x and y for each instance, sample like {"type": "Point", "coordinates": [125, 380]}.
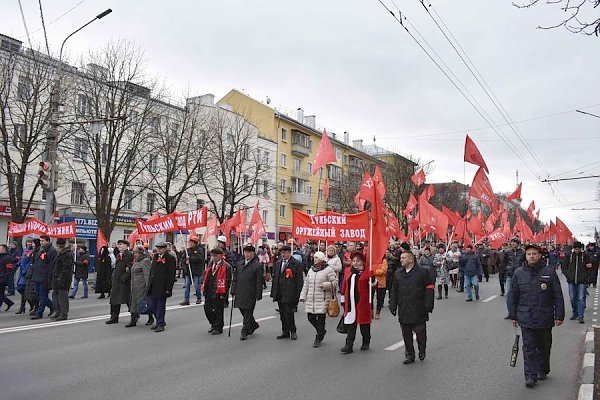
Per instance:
{"type": "Point", "coordinates": [311, 275]}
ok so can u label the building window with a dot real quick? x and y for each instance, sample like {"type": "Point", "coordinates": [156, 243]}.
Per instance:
{"type": "Point", "coordinates": [134, 118]}
{"type": "Point", "coordinates": [283, 160]}
{"type": "Point", "coordinates": [154, 124]}
{"type": "Point", "coordinates": [302, 140]}
{"type": "Point", "coordinates": [150, 202]}
{"type": "Point", "coordinates": [128, 199]}
{"type": "Point", "coordinates": [338, 154]}
{"type": "Point", "coordinates": [104, 157]}
{"type": "Point", "coordinates": [309, 212]}
{"type": "Point", "coordinates": [257, 187]}
{"type": "Point", "coordinates": [264, 216]}
{"type": "Point", "coordinates": [282, 186]}
{"type": "Point", "coordinates": [20, 135]}
{"type": "Point", "coordinates": [126, 233]}
{"type": "Point", "coordinates": [24, 88]}
{"type": "Point", "coordinates": [309, 168]}
{"type": "Point", "coordinates": [265, 188]}
{"type": "Point", "coordinates": [320, 194]}
{"type": "Point", "coordinates": [84, 106]}
{"type": "Point", "coordinates": [266, 159]}
{"type": "Point", "coordinates": [284, 135]}
{"type": "Point", "coordinates": [246, 183]}
{"type": "Point", "coordinates": [80, 149]}
{"type": "Point", "coordinates": [200, 203]}
{"type": "Point", "coordinates": [297, 165]}
{"type": "Point", "coordinates": [282, 211]}
{"type": "Point", "coordinates": [152, 163]}
{"type": "Point", "coordinates": [77, 193]}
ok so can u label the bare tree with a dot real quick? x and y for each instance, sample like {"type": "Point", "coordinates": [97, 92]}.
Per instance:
{"type": "Point", "coordinates": [118, 110]}
{"type": "Point", "coordinates": [575, 20]}
{"type": "Point", "coordinates": [26, 80]}
{"type": "Point", "coordinates": [232, 166]}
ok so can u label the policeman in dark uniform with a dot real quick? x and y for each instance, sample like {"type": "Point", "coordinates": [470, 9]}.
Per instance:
{"type": "Point", "coordinates": [536, 303]}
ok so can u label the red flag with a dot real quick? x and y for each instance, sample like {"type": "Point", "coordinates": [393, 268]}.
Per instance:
{"type": "Point", "coordinates": [497, 238]}
{"type": "Point", "coordinates": [413, 222]}
{"type": "Point", "coordinates": [377, 177]}
{"type": "Point", "coordinates": [212, 229]}
{"type": "Point", "coordinates": [482, 189]}
{"type": "Point", "coordinates": [531, 209]}
{"type": "Point", "coordinates": [472, 154]}
{"type": "Point", "coordinates": [453, 216]}
{"type": "Point", "coordinates": [101, 241]}
{"type": "Point", "coordinates": [258, 231]}
{"type": "Point", "coordinates": [325, 153]}
{"type": "Point", "coordinates": [360, 203]}
{"type": "Point", "coordinates": [430, 216]}
{"type": "Point", "coordinates": [474, 226]}
{"type": "Point", "coordinates": [255, 215]}
{"type": "Point", "coordinates": [537, 214]}
{"type": "Point", "coordinates": [514, 195]}
{"type": "Point", "coordinates": [378, 233]}
{"type": "Point", "coordinates": [392, 226]}
{"type": "Point", "coordinates": [419, 178]}
{"type": "Point", "coordinates": [430, 191]}
{"type": "Point", "coordinates": [230, 224]}
{"type": "Point", "coordinates": [563, 234]}
{"type": "Point", "coordinates": [489, 224]}
{"type": "Point", "coordinates": [241, 227]}
{"type": "Point", "coordinates": [326, 189]}
{"type": "Point", "coordinates": [411, 204]}
{"type": "Point", "coordinates": [366, 191]}
{"type": "Point", "coordinates": [134, 237]}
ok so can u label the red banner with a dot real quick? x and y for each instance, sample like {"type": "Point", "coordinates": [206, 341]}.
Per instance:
{"type": "Point", "coordinates": [167, 223]}
{"type": "Point", "coordinates": [192, 219]}
{"type": "Point", "coordinates": [331, 226]}
{"type": "Point", "coordinates": [36, 227]}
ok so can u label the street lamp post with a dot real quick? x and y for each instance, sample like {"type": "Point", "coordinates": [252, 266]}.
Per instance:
{"type": "Point", "coordinates": [52, 135]}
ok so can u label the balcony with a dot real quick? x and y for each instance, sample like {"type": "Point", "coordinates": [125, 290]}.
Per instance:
{"type": "Point", "coordinates": [300, 150]}
{"type": "Point", "coordinates": [299, 199]}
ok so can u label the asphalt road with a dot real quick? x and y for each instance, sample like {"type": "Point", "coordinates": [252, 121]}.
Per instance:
{"type": "Point", "coordinates": [468, 355]}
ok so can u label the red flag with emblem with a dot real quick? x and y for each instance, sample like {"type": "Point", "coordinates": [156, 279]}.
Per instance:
{"type": "Point", "coordinates": [366, 191]}
{"type": "Point", "coordinates": [419, 178]}
{"type": "Point", "coordinates": [325, 153]}
{"type": "Point", "coordinates": [360, 203]}
{"type": "Point", "coordinates": [411, 204]}
{"type": "Point", "coordinates": [430, 191]}
{"type": "Point", "coordinates": [433, 218]}
{"type": "Point", "coordinates": [255, 215]}
{"type": "Point", "coordinates": [514, 195]}
{"type": "Point", "coordinates": [531, 209]}
{"type": "Point", "coordinates": [212, 229]}
{"type": "Point", "coordinates": [101, 241]}
{"type": "Point", "coordinates": [474, 226]}
{"type": "Point", "coordinates": [472, 154]}
{"type": "Point", "coordinates": [482, 189]}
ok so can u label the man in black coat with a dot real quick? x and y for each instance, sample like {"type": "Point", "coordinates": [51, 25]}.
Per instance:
{"type": "Point", "coordinates": [577, 270]}
{"type": "Point", "coordinates": [42, 273]}
{"type": "Point", "coordinates": [7, 264]}
{"type": "Point", "coordinates": [287, 284]}
{"type": "Point", "coordinates": [411, 297]}
{"type": "Point", "coordinates": [193, 261]}
{"type": "Point", "coordinates": [536, 303]}
{"type": "Point", "coordinates": [82, 266]}
{"type": "Point", "coordinates": [160, 283]}
{"type": "Point", "coordinates": [247, 288]}
{"type": "Point", "coordinates": [61, 280]}
{"type": "Point", "coordinates": [121, 281]}
{"type": "Point", "coordinates": [215, 286]}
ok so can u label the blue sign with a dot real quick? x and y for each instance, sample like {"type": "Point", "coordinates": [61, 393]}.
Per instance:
{"type": "Point", "coordinates": [86, 228]}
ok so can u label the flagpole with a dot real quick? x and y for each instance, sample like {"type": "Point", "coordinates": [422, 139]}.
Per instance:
{"type": "Point", "coordinates": [318, 192]}
{"type": "Point", "coordinates": [187, 256]}
{"type": "Point", "coordinates": [370, 262]}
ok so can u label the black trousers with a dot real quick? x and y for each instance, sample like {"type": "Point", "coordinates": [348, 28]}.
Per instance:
{"type": "Point", "coordinates": [286, 315]}
{"type": "Point", "coordinates": [60, 299]}
{"type": "Point", "coordinates": [214, 308]}
{"type": "Point", "coordinates": [249, 323]}
{"type": "Point", "coordinates": [115, 310]}
{"type": "Point", "coordinates": [365, 331]}
{"type": "Point", "coordinates": [407, 334]}
{"type": "Point", "coordinates": [536, 351]}
{"type": "Point", "coordinates": [502, 278]}
{"type": "Point", "coordinates": [486, 272]}
{"type": "Point", "coordinates": [380, 297]}
{"type": "Point", "coordinates": [318, 321]}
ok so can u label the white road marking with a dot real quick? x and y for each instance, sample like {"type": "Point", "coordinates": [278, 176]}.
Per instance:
{"type": "Point", "coordinates": [258, 320]}
{"type": "Point", "coordinates": [490, 298]}
{"type": "Point", "coordinates": [398, 345]}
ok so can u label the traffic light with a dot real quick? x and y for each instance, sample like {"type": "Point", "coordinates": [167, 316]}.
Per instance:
{"type": "Point", "coordinates": [44, 173]}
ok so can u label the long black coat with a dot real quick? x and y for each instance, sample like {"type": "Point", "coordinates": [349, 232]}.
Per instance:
{"type": "Point", "coordinates": [43, 261]}
{"type": "Point", "coordinates": [162, 275]}
{"type": "Point", "coordinates": [412, 295]}
{"type": "Point", "coordinates": [63, 270]}
{"type": "Point", "coordinates": [287, 285]}
{"type": "Point", "coordinates": [195, 260]}
{"type": "Point", "coordinates": [82, 265]}
{"type": "Point", "coordinates": [247, 283]}
{"type": "Point", "coordinates": [121, 286]}
{"type": "Point", "coordinates": [103, 268]}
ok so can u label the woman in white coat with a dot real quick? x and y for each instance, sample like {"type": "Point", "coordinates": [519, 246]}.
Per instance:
{"type": "Point", "coordinates": [333, 260]}
{"type": "Point", "coordinates": [320, 283]}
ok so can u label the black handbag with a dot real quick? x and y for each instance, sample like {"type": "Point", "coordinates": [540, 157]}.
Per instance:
{"type": "Point", "coordinates": [342, 327]}
{"type": "Point", "coordinates": [144, 306]}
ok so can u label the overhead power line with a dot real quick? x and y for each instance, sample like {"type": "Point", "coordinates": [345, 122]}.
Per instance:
{"type": "Point", "coordinates": [571, 179]}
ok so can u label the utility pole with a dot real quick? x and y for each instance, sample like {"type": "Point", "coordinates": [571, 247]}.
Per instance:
{"type": "Point", "coordinates": [52, 135]}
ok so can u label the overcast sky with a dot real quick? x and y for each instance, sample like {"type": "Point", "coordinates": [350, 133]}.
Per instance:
{"type": "Point", "coordinates": [354, 67]}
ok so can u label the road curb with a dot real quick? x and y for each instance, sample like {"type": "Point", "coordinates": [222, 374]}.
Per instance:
{"type": "Point", "coordinates": [586, 389]}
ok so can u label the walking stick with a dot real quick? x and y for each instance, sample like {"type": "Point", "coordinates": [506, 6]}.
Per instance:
{"type": "Point", "coordinates": [233, 281]}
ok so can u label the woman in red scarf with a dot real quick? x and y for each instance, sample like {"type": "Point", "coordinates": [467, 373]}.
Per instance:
{"type": "Point", "coordinates": [355, 298]}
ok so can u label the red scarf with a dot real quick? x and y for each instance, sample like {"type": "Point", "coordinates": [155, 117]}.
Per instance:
{"type": "Point", "coordinates": [160, 259]}
{"type": "Point", "coordinates": [221, 271]}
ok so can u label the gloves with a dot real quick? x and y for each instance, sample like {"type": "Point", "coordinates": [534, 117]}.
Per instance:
{"type": "Point", "coordinates": [169, 293]}
{"type": "Point", "coordinates": [393, 311]}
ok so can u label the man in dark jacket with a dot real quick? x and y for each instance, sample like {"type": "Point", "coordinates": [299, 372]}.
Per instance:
{"type": "Point", "coordinates": [42, 273]}
{"type": "Point", "coordinates": [247, 288]}
{"type": "Point", "coordinates": [15, 251]}
{"type": "Point", "coordinates": [501, 263]}
{"type": "Point", "coordinates": [215, 286]}
{"type": "Point", "coordinates": [160, 283]}
{"type": "Point", "coordinates": [81, 272]}
{"type": "Point", "coordinates": [411, 296]}
{"type": "Point", "coordinates": [485, 256]}
{"type": "Point", "coordinates": [193, 261]}
{"type": "Point", "coordinates": [577, 269]}
{"type": "Point", "coordinates": [288, 278]}
{"type": "Point", "coordinates": [515, 257]}
{"type": "Point", "coordinates": [121, 281]}
{"type": "Point", "coordinates": [61, 280]}
{"type": "Point", "coordinates": [6, 266]}
{"type": "Point", "coordinates": [594, 256]}
{"type": "Point", "coordinates": [536, 304]}
{"type": "Point", "coordinates": [470, 266]}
